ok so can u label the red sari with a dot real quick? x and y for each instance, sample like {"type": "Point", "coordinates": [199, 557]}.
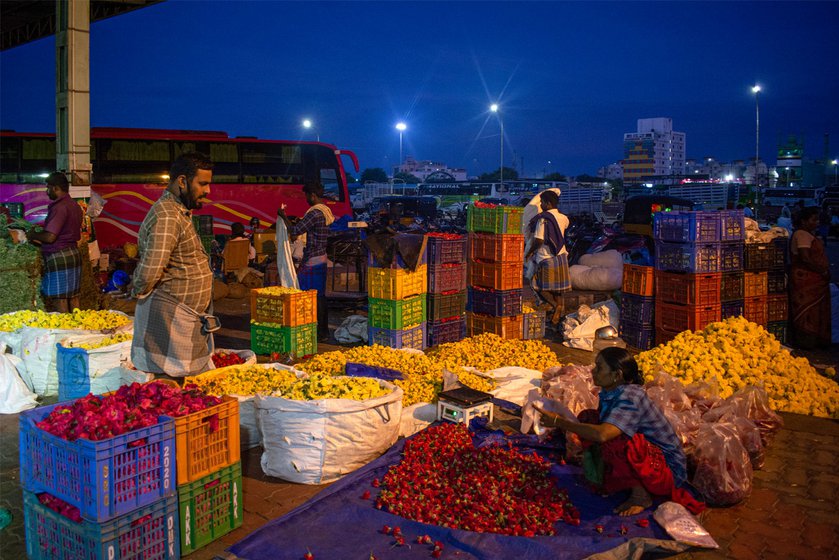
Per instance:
{"type": "Point", "coordinates": [810, 298]}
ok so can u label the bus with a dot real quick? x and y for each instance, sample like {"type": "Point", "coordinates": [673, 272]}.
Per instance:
{"type": "Point", "coordinates": [251, 179]}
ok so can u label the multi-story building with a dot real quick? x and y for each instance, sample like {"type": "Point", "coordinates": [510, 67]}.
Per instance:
{"type": "Point", "coordinates": [422, 169]}
{"type": "Point", "coordinates": [655, 149]}
{"type": "Point", "coordinates": [611, 171]}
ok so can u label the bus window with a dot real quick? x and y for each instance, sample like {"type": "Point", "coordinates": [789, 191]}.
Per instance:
{"type": "Point", "coordinates": [271, 163]}
{"type": "Point", "coordinates": [224, 155]}
{"type": "Point", "coordinates": [132, 161]}
{"type": "Point", "coordinates": [331, 184]}
{"type": "Point", "coordinates": [37, 159]}
{"type": "Point", "coordinates": [9, 159]}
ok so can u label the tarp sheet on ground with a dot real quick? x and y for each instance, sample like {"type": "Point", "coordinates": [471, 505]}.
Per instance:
{"type": "Point", "coordinates": [339, 523]}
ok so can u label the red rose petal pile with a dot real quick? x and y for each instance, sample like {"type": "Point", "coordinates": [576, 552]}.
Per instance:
{"type": "Point", "coordinates": [442, 235]}
{"type": "Point", "coordinates": [443, 479]}
{"type": "Point", "coordinates": [480, 204]}
{"type": "Point", "coordinates": [129, 408]}
{"type": "Point", "coordinates": [224, 359]}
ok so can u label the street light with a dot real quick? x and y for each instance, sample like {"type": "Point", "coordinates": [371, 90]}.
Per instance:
{"type": "Point", "coordinates": [835, 162]}
{"type": "Point", "coordinates": [401, 127]}
{"type": "Point", "coordinates": [307, 124]}
{"type": "Point", "coordinates": [494, 108]}
{"type": "Point", "coordinates": [756, 91]}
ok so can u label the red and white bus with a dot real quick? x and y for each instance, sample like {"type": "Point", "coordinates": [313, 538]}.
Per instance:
{"type": "Point", "coordinates": [251, 179]}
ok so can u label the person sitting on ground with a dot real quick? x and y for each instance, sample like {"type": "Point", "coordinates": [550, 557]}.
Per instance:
{"type": "Point", "coordinates": [637, 447]}
{"type": "Point", "coordinates": [547, 258]}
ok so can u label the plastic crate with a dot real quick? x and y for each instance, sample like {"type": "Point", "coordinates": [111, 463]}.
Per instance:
{"type": "Point", "coordinates": [203, 224]}
{"type": "Point", "coordinates": [104, 479]}
{"type": "Point", "coordinates": [446, 278]}
{"type": "Point", "coordinates": [687, 227]}
{"type": "Point", "coordinates": [777, 308]}
{"type": "Point", "coordinates": [148, 533]}
{"type": "Point", "coordinates": [687, 289]}
{"type": "Point", "coordinates": [755, 284]}
{"type": "Point", "coordinates": [207, 440]}
{"type": "Point", "coordinates": [663, 336]}
{"type": "Point", "coordinates": [766, 256]}
{"type": "Point", "coordinates": [207, 243]}
{"type": "Point", "coordinates": [452, 329]}
{"type": "Point", "coordinates": [505, 327]}
{"type": "Point", "coordinates": [637, 309]}
{"type": "Point", "coordinates": [409, 337]}
{"type": "Point", "coordinates": [396, 261]}
{"type": "Point", "coordinates": [687, 257]}
{"type": "Point", "coordinates": [488, 247]}
{"type": "Point", "coordinates": [776, 281]}
{"type": "Point", "coordinates": [678, 318]}
{"type": "Point", "coordinates": [638, 280]}
{"type": "Point", "coordinates": [15, 209]}
{"type": "Point", "coordinates": [395, 314]}
{"type": "Point", "coordinates": [289, 310]}
{"type": "Point", "coordinates": [496, 276]}
{"type": "Point", "coordinates": [732, 225]}
{"type": "Point", "coordinates": [755, 309]}
{"type": "Point", "coordinates": [779, 330]}
{"type": "Point", "coordinates": [731, 309]}
{"type": "Point", "coordinates": [442, 306]}
{"type": "Point", "coordinates": [732, 286]}
{"type": "Point", "coordinates": [533, 325]}
{"type": "Point", "coordinates": [442, 250]}
{"type": "Point", "coordinates": [297, 341]}
{"type": "Point", "coordinates": [501, 303]}
{"type": "Point", "coordinates": [731, 256]}
{"type": "Point", "coordinates": [501, 219]}
{"type": "Point", "coordinates": [637, 335]}
{"type": "Point", "coordinates": [387, 283]}
{"type": "Point", "coordinates": [210, 507]}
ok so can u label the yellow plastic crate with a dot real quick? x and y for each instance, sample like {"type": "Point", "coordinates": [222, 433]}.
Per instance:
{"type": "Point", "coordinates": [387, 283]}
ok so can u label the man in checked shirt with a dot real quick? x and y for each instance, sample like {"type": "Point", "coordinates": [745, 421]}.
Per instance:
{"type": "Point", "coordinates": [173, 279]}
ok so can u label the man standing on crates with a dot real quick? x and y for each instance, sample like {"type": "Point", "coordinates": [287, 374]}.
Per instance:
{"type": "Point", "coordinates": [547, 257]}
{"type": "Point", "coordinates": [173, 280]}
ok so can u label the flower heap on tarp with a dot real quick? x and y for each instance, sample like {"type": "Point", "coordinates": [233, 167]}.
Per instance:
{"type": "Point", "coordinates": [443, 479]}
{"type": "Point", "coordinates": [88, 320]}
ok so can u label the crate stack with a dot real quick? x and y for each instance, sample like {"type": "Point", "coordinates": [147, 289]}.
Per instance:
{"type": "Point", "coordinates": [446, 288]}
{"type": "Point", "coordinates": [203, 225]}
{"type": "Point", "coordinates": [766, 301]}
{"type": "Point", "coordinates": [495, 271]}
{"type": "Point", "coordinates": [695, 252]}
{"type": "Point", "coordinates": [396, 313]}
{"type": "Point", "coordinates": [286, 323]}
{"type": "Point", "coordinates": [637, 319]}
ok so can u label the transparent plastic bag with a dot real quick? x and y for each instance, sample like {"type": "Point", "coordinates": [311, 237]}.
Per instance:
{"type": "Point", "coordinates": [668, 392]}
{"type": "Point", "coordinates": [682, 526]}
{"type": "Point", "coordinates": [573, 387]}
{"type": "Point", "coordinates": [723, 473]}
{"type": "Point", "coordinates": [751, 439]}
{"type": "Point", "coordinates": [686, 425]}
{"type": "Point", "coordinates": [749, 402]}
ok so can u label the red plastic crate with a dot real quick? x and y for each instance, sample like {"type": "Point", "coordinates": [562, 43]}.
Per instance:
{"type": "Point", "coordinates": [496, 276]}
{"type": "Point", "coordinates": [755, 284]}
{"type": "Point", "coordinates": [777, 308]}
{"type": "Point", "coordinates": [496, 248]}
{"type": "Point", "coordinates": [505, 327]}
{"type": "Point", "coordinates": [442, 250]}
{"type": "Point", "coordinates": [638, 280]}
{"type": "Point", "coordinates": [678, 318]}
{"type": "Point", "coordinates": [688, 289]}
{"type": "Point", "coordinates": [756, 310]}
{"type": "Point", "coordinates": [663, 336]}
{"type": "Point", "coordinates": [446, 278]}
{"type": "Point", "coordinates": [731, 286]}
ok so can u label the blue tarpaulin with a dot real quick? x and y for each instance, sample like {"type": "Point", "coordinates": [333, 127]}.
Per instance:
{"type": "Point", "coordinates": [339, 524]}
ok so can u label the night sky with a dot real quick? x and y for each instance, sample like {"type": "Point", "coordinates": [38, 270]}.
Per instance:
{"type": "Point", "coordinates": [571, 78]}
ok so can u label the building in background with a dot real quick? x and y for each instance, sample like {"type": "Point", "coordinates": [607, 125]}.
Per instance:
{"type": "Point", "coordinates": [422, 169]}
{"type": "Point", "coordinates": [655, 149]}
{"type": "Point", "coordinates": [611, 171]}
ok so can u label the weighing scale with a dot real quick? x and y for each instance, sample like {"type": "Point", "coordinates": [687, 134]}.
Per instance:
{"type": "Point", "coordinates": [463, 404]}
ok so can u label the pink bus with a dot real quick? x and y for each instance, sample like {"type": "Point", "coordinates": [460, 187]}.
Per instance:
{"type": "Point", "coordinates": [251, 179]}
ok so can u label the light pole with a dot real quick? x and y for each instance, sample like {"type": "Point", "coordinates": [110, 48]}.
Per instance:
{"type": "Point", "coordinates": [401, 127]}
{"type": "Point", "coordinates": [835, 162]}
{"type": "Point", "coordinates": [307, 124]}
{"type": "Point", "coordinates": [494, 108]}
{"type": "Point", "coordinates": [756, 91]}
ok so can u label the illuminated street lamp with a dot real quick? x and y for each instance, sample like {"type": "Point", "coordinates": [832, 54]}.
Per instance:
{"type": "Point", "coordinates": [401, 127]}
{"type": "Point", "coordinates": [307, 124]}
{"type": "Point", "coordinates": [835, 162]}
{"type": "Point", "coordinates": [494, 108]}
{"type": "Point", "coordinates": [756, 91]}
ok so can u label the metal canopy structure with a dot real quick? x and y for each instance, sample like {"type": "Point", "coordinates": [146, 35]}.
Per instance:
{"type": "Point", "coordinates": [23, 21]}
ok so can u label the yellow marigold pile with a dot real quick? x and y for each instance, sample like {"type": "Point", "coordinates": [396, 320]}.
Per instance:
{"type": "Point", "coordinates": [489, 351]}
{"type": "Point", "coordinates": [277, 290]}
{"type": "Point", "coordinates": [88, 320]}
{"type": "Point", "coordinates": [106, 341]}
{"type": "Point", "coordinates": [734, 353]}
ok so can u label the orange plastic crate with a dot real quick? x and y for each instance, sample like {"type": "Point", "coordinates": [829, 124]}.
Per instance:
{"type": "Point", "coordinates": [207, 440]}
{"type": "Point", "coordinates": [688, 289]}
{"type": "Point", "coordinates": [394, 283]}
{"type": "Point", "coordinates": [755, 309]}
{"type": "Point", "coordinates": [505, 327]}
{"type": "Point", "coordinates": [678, 318]}
{"type": "Point", "coordinates": [777, 308]}
{"type": "Point", "coordinates": [494, 248]}
{"type": "Point", "coordinates": [496, 276]}
{"type": "Point", "coordinates": [638, 280]}
{"type": "Point", "coordinates": [755, 284]}
{"type": "Point", "coordinates": [288, 310]}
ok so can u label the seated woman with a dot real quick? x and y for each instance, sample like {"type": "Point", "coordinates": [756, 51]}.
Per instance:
{"type": "Point", "coordinates": [637, 445]}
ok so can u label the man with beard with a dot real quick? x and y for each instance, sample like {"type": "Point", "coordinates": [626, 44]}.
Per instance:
{"type": "Point", "coordinates": [173, 280]}
{"type": "Point", "coordinates": [60, 284]}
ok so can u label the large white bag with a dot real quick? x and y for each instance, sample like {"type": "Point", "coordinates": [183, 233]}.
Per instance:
{"type": "Point", "coordinates": [579, 328]}
{"type": "Point", "coordinates": [513, 383]}
{"type": "Point", "coordinates": [607, 259]}
{"type": "Point", "coordinates": [598, 278]}
{"type": "Point", "coordinates": [95, 370]}
{"type": "Point", "coordinates": [313, 442]}
{"type": "Point", "coordinates": [416, 417]}
{"type": "Point", "coordinates": [15, 396]}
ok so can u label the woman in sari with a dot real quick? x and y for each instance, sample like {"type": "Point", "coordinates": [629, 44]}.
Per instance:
{"type": "Point", "coordinates": [809, 283]}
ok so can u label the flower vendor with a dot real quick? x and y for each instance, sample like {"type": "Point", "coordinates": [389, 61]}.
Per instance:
{"type": "Point", "coordinates": [809, 283]}
{"type": "Point", "coordinates": [546, 256]}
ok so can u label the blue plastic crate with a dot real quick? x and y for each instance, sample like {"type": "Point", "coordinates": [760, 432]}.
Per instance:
{"type": "Point", "coordinates": [687, 257]}
{"type": "Point", "coordinates": [104, 479]}
{"type": "Point", "coordinates": [450, 330]}
{"type": "Point", "coordinates": [411, 337]}
{"type": "Point", "coordinates": [638, 309]}
{"type": "Point", "coordinates": [74, 375]}
{"type": "Point", "coordinates": [637, 335]}
{"type": "Point", "coordinates": [732, 225]}
{"type": "Point", "coordinates": [149, 533]}
{"type": "Point", "coordinates": [687, 227]}
{"type": "Point", "coordinates": [734, 308]}
{"type": "Point", "coordinates": [499, 303]}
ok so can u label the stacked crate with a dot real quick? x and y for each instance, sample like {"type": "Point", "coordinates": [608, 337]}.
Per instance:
{"type": "Point", "coordinates": [203, 225]}
{"type": "Point", "coordinates": [284, 323]}
{"type": "Point", "coordinates": [446, 288]}
{"type": "Point", "coordinates": [495, 271]}
{"type": "Point", "coordinates": [695, 253]}
{"type": "Point", "coordinates": [766, 301]}
{"type": "Point", "coordinates": [637, 319]}
{"type": "Point", "coordinates": [396, 314]}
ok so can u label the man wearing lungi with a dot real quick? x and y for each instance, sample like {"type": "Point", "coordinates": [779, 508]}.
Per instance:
{"type": "Point", "coordinates": [547, 257]}
{"type": "Point", "coordinates": [61, 282]}
{"type": "Point", "coordinates": [312, 270]}
{"type": "Point", "coordinates": [173, 280]}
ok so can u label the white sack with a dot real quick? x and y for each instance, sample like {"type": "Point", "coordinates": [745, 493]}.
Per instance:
{"type": "Point", "coordinates": [417, 417]}
{"type": "Point", "coordinates": [313, 442]}
{"type": "Point", "coordinates": [514, 383]}
{"type": "Point", "coordinates": [579, 328]}
{"type": "Point", "coordinates": [100, 362]}
{"type": "Point", "coordinates": [285, 265]}
{"type": "Point", "coordinates": [15, 396]}
{"type": "Point", "coordinates": [597, 278]}
{"type": "Point", "coordinates": [608, 259]}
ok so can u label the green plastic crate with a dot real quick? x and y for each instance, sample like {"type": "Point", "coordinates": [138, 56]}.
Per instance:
{"type": "Point", "coordinates": [501, 219]}
{"type": "Point", "coordinates": [395, 314]}
{"type": "Point", "coordinates": [297, 341]}
{"type": "Point", "coordinates": [210, 507]}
